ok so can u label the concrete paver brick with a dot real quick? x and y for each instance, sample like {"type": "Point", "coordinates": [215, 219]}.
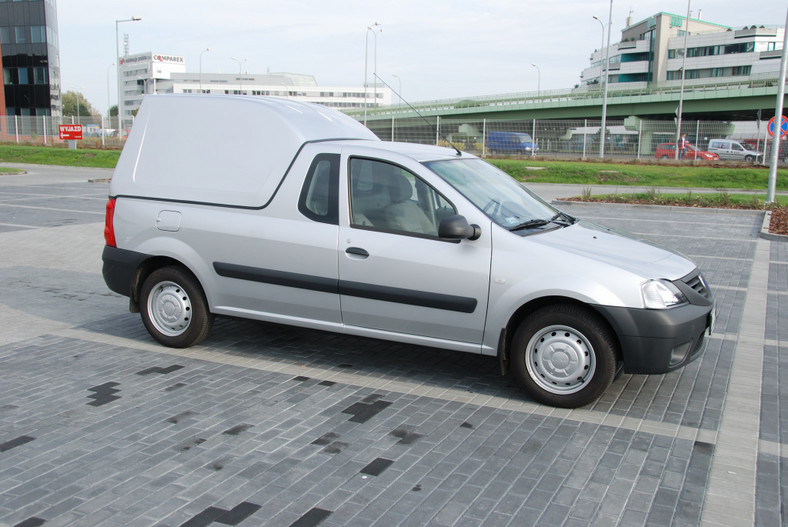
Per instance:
{"type": "Point", "coordinates": [271, 425]}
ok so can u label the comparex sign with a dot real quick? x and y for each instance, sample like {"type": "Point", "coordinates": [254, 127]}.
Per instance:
{"type": "Point", "coordinates": [153, 57]}
{"type": "Point", "coordinates": [168, 58]}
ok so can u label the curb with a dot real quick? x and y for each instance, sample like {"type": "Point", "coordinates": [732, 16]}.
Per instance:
{"type": "Point", "coordinates": [766, 235]}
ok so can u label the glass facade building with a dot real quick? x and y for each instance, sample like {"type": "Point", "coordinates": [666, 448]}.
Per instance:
{"type": "Point", "coordinates": [30, 57]}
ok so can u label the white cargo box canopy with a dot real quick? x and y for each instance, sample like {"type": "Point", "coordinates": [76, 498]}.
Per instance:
{"type": "Point", "coordinates": [235, 149]}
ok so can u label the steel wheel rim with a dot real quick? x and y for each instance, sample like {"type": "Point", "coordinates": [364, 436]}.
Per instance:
{"type": "Point", "coordinates": [560, 360]}
{"type": "Point", "coordinates": [170, 309]}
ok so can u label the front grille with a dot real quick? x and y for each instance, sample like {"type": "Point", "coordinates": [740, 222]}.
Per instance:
{"type": "Point", "coordinates": [697, 283]}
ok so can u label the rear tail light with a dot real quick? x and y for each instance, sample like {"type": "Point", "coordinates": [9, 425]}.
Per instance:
{"type": "Point", "coordinates": [109, 229]}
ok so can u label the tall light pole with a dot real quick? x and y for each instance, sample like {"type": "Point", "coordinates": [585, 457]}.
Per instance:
{"type": "Point", "coordinates": [109, 105]}
{"type": "Point", "coordinates": [538, 79]}
{"type": "Point", "coordinates": [778, 119]}
{"type": "Point", "coordinates": [399, 96]}
{"type": "Point", "coordinates": [374, 28]}
{"type": "Point", "coordinates": [206, 50]}
{"type": "Point", "coordinates": [117, 58]}
{"type": "Point", "coordinates": [604, 91]}
{"type": "Point", "coordinates": [240, 74]}
{"type": "Point", "coordinates": [601, 50]}
{"type": "Point", "coordinates": [680, 109]}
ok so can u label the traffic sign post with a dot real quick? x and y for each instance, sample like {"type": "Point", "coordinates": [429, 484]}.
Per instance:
{"type": "Point", "coordinates": [71, 133]}
{"type": "Point", "coordinates": [783, 126]}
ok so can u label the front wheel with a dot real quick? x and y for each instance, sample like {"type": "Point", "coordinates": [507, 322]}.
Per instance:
{"type": "Point", "coordinates": [174, 309]}
{"type": "Point", "coordinates": [563, 355]}
{"type": "Point", "coordinates": [749, 159]}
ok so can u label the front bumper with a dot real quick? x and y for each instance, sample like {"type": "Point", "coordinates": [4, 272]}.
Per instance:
{"type": "Point", "coordinates": [660, 340]}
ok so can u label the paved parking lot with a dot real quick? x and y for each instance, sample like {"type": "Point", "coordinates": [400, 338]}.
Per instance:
{"type": "Point", "coordinates": [273, 425]}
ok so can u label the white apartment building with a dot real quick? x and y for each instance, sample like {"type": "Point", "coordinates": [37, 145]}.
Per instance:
{"type": "Point", "coordinates": [652, 51]}
{"type": "Point", "coordinates": [147, 73]}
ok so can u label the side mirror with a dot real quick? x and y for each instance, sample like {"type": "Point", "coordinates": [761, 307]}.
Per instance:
{"type": "Point", "coordinates": [456, 227]}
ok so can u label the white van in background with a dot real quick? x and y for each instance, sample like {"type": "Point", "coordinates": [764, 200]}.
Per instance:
{"type": "Point", "coordinates": [728, 149]}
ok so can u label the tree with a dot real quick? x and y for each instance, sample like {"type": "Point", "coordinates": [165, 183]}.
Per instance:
{"type": "Point", "coordinates": [74, 103]}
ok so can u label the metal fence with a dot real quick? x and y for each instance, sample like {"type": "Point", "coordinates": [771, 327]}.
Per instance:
{"type": "Point", "coordinates": [631, 138]}
{"type": "Point", "coordinates": [44, 130]}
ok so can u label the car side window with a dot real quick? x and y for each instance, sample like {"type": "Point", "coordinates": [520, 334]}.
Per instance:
{"type": "Point", "coordinates": [390, 198]}
{"type": "Point", "coordinates": [319, 200]}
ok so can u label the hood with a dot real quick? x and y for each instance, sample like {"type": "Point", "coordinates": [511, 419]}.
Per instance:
{"type": "Point", "coordinates": [621, 250]}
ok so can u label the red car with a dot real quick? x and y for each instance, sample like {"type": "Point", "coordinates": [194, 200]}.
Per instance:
{"type": "Point", "coordinates": [668, 151]}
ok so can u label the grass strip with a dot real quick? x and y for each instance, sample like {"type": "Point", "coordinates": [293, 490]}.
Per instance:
{"type": "Point", "coordinates": [51, 155]}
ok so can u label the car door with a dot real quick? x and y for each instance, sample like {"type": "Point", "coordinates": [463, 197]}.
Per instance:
{"type": "Point", "coordinates": [395, 273]}
{"type": "Point", "coordinates": [282, 265]}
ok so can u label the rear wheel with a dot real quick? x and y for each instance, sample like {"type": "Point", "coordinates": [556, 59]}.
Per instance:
{"type": "Point", "coordinates": [174, 309]}
{"type": "Point", "coordinates": [563, 355]}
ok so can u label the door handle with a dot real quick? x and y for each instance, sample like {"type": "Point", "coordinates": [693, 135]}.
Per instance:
{"type": "Point", "coordinates": [357, 251]}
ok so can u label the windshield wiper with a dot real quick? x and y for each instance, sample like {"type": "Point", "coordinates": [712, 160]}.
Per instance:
{"type": "Point", "coordinates": [569, 220]}
{"type": "Point", "coordinates": [530, 224]}
{"type": "Point", "coordinates": [538, 222]}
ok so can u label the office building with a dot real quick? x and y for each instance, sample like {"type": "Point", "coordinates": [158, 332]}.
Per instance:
{"type": "Point", "coordinates": [147, 73]}
{"type": "Point", "coordinates": [30, 58]}
{"type": "Point", "coordinates": [652, 51]}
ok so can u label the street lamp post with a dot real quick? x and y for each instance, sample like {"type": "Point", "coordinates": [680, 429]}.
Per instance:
{"type": "Point", "coordinates": [605, 80]}
{"type": "Point", "coordinates": [538, 79]}
{"type": "Point", "coordinates": [240, 74]}
{"type": "Point", "coordinates": [374, 29]}
{"type": "Point", "coordinates": [117, 55]}
{"type": "Point", "coordinates": [680, 109]}
{"type": "Point", "coordinates": [399, 96]}
{"type": "Point", "coordinates": [109, 105]}
{"type": "Point", "coordinates": [206, 50]}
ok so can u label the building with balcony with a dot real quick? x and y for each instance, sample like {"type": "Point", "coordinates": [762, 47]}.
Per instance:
{"type": "Point", "coordinates": [652, 51]}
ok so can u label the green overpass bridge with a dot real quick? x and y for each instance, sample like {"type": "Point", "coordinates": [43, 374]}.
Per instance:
{"type": "Point", "coordinates": [643, 111]}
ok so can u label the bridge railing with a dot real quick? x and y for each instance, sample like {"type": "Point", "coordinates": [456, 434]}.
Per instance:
{"type": "Point", "coordinates": [547, 97]}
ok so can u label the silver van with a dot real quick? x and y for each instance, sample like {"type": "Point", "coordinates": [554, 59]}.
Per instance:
{"type": "Point", "coordinates": [728, 149]}
{"type": "Point", "coordinates": [288, 212]}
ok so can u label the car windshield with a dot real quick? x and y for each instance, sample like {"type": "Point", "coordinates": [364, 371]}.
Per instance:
{"type": "Point", "coordinates": [498, 195]}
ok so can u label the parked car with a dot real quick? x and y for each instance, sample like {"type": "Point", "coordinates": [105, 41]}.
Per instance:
{"type": "Point", "coordinates": [511, 143]}
{"type": "Point", "coordinates": [302, 216]}
{"type": "Point", "coordinates": [728, 149]}
{"type": "Point", "coordinates": [668, 151]}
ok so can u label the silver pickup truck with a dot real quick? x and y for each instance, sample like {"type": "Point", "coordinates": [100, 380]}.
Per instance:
{"type": "Point", "coordinates": [294, 213]}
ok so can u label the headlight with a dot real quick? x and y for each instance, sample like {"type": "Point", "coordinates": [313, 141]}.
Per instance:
{"type": "Point", "coordinates": [661, 294]}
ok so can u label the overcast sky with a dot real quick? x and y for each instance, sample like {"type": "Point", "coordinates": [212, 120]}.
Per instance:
{"type": "Point", "coordinates": [438, 49]}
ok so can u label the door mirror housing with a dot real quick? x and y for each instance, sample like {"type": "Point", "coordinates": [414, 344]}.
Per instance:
{"type": "Point", "coordinates": [456, 227]}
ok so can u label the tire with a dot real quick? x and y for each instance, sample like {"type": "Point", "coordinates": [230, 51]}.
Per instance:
{"type": "Point", "coordinates": [174, 309]}
{"type": "Point", "coordinates": [749, 159]}
{"type": "Point", "coordinates": [580, 351]}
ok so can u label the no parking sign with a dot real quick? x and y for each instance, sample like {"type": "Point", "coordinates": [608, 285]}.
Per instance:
{"type": "Point", "coordinates": [783, 125]}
